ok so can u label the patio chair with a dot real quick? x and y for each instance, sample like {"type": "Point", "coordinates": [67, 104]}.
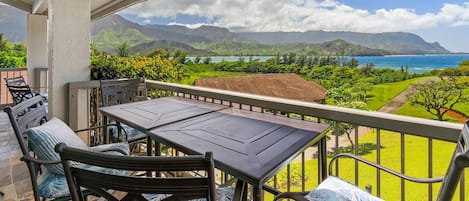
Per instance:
{"type": "Point", "coordinates": [18, 89]}
{"type": "Point", "coordinates": [334, 188]}
{"type": "Point", "coordinates": [141, 188]}
{"type": "Point", "coordinates": [37, 137]}
{"type": "Point", "coordinates": [119, 91]}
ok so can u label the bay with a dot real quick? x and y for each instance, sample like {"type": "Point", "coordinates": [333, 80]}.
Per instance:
{"type": "Point", "coordinates": [415, 63]}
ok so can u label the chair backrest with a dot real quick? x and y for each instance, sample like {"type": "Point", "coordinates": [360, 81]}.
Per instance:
{"type": "Point", "coordinates": [459, 161]}
{"type": "Point", "coordinates": [120, 91]}
{"type": "Point", "coordinates": [18, 88]}
{"type": "Point", "coordinates": [181, 188]}
{"type": "Point", "coordinates": [16, 81]}
{"type": "Point", "coordinates": [27, 114]}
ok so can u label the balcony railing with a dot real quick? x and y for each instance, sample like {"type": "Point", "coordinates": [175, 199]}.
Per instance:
{"type": "Point", "coordinates": [394, 139]}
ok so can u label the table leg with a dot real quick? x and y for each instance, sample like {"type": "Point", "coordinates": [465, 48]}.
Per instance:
{"type": "Point", "coordinates": [157, 153]}
{"type": "Point", "coordinates": [105, 131]}
{"type": "Point", "coordinates": [322, 159]}
{"type": "Point", "coordinates": [258, 193]}
{"type": "Point", "coordinates": [240, 193]}
{"type": "Point", "coordinates": [149, 146]}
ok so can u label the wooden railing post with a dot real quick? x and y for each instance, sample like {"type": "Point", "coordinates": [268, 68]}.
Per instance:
{"type": "Point", "coordinates": [40, 80]}
{"type": "Point", "coordinates": [79, 105]}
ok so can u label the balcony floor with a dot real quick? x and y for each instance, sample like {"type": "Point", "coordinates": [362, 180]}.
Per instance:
{"type": "Point", "coordinates": [14, 176]}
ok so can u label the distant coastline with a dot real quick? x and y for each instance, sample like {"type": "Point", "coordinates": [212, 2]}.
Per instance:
{"type": "Point", "coordinates": [414, 63]}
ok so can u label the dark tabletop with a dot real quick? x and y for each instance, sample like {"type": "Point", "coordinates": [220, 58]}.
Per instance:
{"type": "Point", "coordinates": [145, 115]}
{"type": "Point", "coordinates": [249, 145]}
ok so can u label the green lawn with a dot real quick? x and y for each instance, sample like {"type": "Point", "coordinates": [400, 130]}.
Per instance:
{"type": "Point", "coordinates": [418, 111]}
{"type": "Point", "coordinates": [195, 72]}
{"type": "Point", "coordinates": [383, 93]}
{"type": "Point", "coordinates": [416, 163]}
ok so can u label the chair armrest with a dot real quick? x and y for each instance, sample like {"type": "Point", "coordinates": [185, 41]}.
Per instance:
{"type": "Point", "coordinates": [104, 126]}
{"type": "Point", "coordinates": [97, 127]}
{"type": "Point", "coordinates": [38, 161]}
{"type": "Point", "coordinates": [380, 167]}
{"type": "Point", "coordinates": [299, 196]}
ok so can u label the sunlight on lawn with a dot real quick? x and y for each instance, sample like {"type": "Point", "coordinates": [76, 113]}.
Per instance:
{"type": "Point", "coordinates": [416, 165]}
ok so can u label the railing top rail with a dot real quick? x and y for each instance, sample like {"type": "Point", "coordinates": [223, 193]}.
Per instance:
{"type": "Point", "coordinates": [403, 124]}
{"type": "Point", "coordinates": [410, 125]}
{"type": "Point", "coordinates": [12, 69]}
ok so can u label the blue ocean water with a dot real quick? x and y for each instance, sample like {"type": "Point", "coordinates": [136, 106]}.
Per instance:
{"type": "Point", "coordinates": [415, 63]}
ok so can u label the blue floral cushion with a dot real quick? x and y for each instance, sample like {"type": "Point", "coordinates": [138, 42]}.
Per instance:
{"type": "Point", "coordinates": [335, 189]}
{"type": "Point", "coordinates": [132, 134]}
{"type": "Point", "coordinates": [223, 194]}
{"type": "Point", "coordinates": [42, 140]}
{"type": "Point", "coordinates": [53, 185]}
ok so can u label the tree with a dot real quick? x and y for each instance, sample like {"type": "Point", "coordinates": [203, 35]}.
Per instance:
{"type": "Point", "coordinates": [123, 50]}
{"type": "Point", "coordinates": [180, 56]}
{"type": "Point", "coordinates": [439, 97]}
{"type": "Point", "coordinates": [196, 59]}
{"type": "Point", "coordinates": [346, 98]}
{"type": "Point", "coordinates": [353, 63]}
{"type": "Point", "coordinates": [207, 60]}
{"type": "Point", "coordinates": [4, 44]}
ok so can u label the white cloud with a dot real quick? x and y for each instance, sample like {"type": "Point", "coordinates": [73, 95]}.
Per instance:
{"type": "Point", "coordinates": [302, 15]}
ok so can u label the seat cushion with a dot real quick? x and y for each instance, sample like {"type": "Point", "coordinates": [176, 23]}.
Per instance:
{"type": "Point", "coordinates": [42, 140]}
{"type": "Point", "coordinates": [223, 194]}
{"type": "Point", "coordinates": [111, 148]}
{"type": "Point", "coordinates": [132, 134]}
{"type": "Point", "coordinates": [335, 189]}
{"type": "Point", "coordinates": [51, 185]}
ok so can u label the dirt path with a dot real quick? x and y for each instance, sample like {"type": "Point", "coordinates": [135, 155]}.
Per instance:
{"type": "Point", "coordinates": [399, 100]}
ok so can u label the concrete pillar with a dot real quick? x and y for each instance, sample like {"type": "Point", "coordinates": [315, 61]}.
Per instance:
{"type": "Point", "coordinates": [69, 44]}
{"type": "Point", "coordinates": [36, 44]}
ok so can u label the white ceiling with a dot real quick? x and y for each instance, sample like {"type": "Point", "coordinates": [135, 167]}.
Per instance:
{"type": "Point", "coordinates": [99, 8]}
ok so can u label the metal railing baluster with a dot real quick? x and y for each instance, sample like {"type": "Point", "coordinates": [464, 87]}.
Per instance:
{"type": "Point", "coordinates": [356, 153]}
{"type": "Point", "coordinates": [430, 167]}
{"type": "Point", "coordinates": [402, 165]}
{"type": "Point", "coordinates": [378, 160]}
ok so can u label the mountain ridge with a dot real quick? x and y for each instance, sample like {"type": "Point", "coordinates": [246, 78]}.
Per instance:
{"type": "Point", "coordinates": [409, 43]}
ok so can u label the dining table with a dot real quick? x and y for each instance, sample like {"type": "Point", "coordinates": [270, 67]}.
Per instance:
{"type": "Point", "coordinates": [251, 146]}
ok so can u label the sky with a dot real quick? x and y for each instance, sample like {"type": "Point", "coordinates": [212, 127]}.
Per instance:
{"type": "Point", "coordinates": [446, 22]}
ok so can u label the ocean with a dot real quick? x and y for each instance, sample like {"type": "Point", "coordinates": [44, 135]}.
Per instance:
{"type": "Point", "coordinates": [415, 63]}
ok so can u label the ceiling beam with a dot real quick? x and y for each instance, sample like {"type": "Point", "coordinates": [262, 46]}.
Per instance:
{"type": "Point", "coordinates": [111, 7]}
{"type": "Point", "coordinates": [18, 4]}
{"type": "Point", "coordinates": [39, 6]}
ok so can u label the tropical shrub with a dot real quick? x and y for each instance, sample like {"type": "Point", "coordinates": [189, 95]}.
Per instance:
{"type": "Point", "coordinates": [153, 68]}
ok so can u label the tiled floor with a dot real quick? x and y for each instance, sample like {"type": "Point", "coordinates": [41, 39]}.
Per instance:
{"type": "Point", "coordinates": [14, 176]}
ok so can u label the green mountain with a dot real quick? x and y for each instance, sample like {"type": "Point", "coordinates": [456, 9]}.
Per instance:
{"type": "Point", "coordinates": [393, 42]}
{"type": "Point", "coordinates": [108, 41]}
{"type": "Point", "coordinates": [223, 42]}
{"type": "Point", "coordinates": [333, 48]}
{"type": "Point", "coordinates": [145, 48]}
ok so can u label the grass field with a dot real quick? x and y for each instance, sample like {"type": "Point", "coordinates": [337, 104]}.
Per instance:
{"type": "Point", "coordinates": [200, 71]}
{"type": "Point", "coordinates": [417, 111]}
{"type": "Point", "coordinates": [416, 164]}
{"type": "Point", "coordinates": [383, 93]}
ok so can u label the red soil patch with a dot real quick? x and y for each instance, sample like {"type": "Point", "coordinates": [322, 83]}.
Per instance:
{"type": "Point", "coordinates": [457, 115]}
